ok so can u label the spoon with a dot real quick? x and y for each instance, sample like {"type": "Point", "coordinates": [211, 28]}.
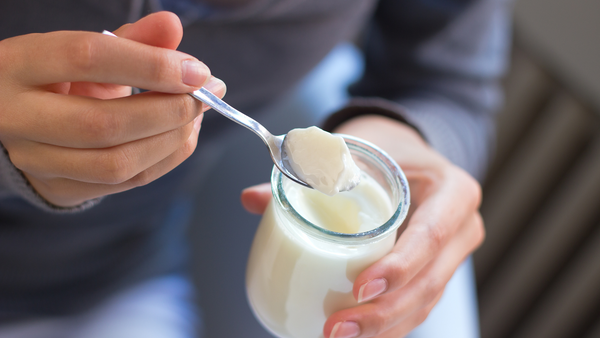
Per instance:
{"type": "Point", "coordinates": [275, 143]}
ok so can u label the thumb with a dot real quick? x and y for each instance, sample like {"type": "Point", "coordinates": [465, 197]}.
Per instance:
{"type": "Point", "coordinates": [256, 198]}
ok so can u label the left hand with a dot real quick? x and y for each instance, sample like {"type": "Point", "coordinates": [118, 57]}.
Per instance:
{"type": "Point", "coordinates": [444, 226]}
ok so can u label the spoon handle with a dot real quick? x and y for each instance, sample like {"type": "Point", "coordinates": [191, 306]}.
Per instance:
{"type": "Point", "coordinates": [274, 143]}
{"type": "Point", "coordinates": [233, 114]}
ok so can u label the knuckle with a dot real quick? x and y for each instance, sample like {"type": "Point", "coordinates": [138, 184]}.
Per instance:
{"type": "Point", "coordinates": [182, 109]}
{"type": "Point", "coordinates": [176, 138]}
{"type": "Point", "coordinates": [436, 236]}
{"type": "Point", "coordinates": [114, 167]}
{"type": "Point", "coordinates": [188, 148]}
{"type": "Point", "coordinates": [186, 109]}
{"type": "Point", "coordinates": [162, 69]}
{"type": "Point", "coordinates": [99, 128]}
{"type": "Point", "coordinates": [401, 269]}
{"type": "Point", "coordinates": [378, 322]}
{"type": "Point", "coordinates": [81, 51]}
{"type": "Point", "coordinates": [431, 289]}
{"type": "Point", "coordinates": [181, 135]}
{"type": "Point", "coordinates": [141, 179]}
{"type": "Point", "coordinates": [421, 315]}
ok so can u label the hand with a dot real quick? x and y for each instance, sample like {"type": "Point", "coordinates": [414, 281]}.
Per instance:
{"type": "Point", "coordinates": [444, 226]}
{"type": "Point", "coordinates": [69, 123]}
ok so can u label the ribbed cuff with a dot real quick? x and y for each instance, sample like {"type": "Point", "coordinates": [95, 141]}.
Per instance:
{"type": "Point", "coordinates": [360, 106]}
{"type": "Point", "coordinates": [14, 183]}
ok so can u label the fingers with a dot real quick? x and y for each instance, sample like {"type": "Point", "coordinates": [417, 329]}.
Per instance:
{"type": "Point", "coordinates": [435, 221]}
{"type": "Point", "coordinates": [107, 165]}
{"type": "Point", "coordinates": [67, 56]}
{"type": "Point", "coordinates": [255, 199]}
{"type": "Point", "coordinates": [412, 321]}
{"type": "Point", "coordinates": [69, 176]}
{"type": "Point", "coordinates": [392, 311]}
{"type": "Point", "coordinates": [84, 122]}
{"type": "Point", "coordinates": [67, 192]}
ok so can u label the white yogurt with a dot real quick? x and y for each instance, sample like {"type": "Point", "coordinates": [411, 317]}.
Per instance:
{"type": "Point", "coordinates": [321, 159]}
{"type": "Point", "coordinates": [362, 209]}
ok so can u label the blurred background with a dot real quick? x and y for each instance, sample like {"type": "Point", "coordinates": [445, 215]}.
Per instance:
{"type": "Point", "coordinates": [538, 272]}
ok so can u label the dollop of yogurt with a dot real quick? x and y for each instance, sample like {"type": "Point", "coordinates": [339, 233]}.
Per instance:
{"type": "Point", "coordinates": [321, 159]}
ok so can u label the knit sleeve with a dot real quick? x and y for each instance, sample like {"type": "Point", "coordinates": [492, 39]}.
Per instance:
{"type": "Point", "coordinates": [435, 65]}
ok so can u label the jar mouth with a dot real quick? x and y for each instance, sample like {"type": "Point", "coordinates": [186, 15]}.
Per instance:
{"type": "Point", "coordinates": [391, 174]}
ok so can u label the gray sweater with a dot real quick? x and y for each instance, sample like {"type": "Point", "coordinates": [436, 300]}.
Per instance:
{"type": "Point", "coordinates": [431, 63]}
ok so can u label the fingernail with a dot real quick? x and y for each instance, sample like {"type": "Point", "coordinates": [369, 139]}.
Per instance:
{"type": "Point", "coordinates": [372, 289]}
{"type": "Point", "coordinates": [216, 85]}
{"type": "Point", "coordinates": [345, 330]}
{"type": "Point", "coordinates": [194, 73]}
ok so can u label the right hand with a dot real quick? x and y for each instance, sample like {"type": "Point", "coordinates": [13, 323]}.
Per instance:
{"type": "Point", "coordinates": [67, 118]}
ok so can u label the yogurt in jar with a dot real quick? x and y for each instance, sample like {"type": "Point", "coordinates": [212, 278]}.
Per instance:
{"type": "Point", "coordinates": [362, 209]}
{"type": "Point", "coordinates": [310, 247]}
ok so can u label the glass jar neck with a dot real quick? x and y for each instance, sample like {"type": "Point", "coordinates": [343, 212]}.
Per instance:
{"type": "Point", "coordinates": [380, 165]}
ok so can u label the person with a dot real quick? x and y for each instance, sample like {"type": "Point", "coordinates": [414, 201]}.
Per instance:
{"type": "Point", "coordinates": [97, 186]}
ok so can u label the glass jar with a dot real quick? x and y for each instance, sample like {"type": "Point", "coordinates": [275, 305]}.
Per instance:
{"type": "Point", "coordinates": [298, 273]}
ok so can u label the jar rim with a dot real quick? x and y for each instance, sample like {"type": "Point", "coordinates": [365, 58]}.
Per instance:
{"type": "Point", "coordinates": [394, 175]}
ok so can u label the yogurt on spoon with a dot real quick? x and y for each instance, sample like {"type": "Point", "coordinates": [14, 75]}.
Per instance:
{"type": "Point", "coordinates": [320, 159]}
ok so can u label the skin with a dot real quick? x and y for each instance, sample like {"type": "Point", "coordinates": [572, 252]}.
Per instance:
{"type": "Point", "coordinates": [444, 227]}
{"type": "Point", "coordinates": [67, 118]}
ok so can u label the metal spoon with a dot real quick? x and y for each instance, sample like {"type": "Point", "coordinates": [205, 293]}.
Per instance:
{"type": "Point", "coordinates": [275, 143]}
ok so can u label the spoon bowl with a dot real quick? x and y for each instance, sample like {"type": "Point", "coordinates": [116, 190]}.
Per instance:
{"type": "Point", "coordinates": [275, 143]}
